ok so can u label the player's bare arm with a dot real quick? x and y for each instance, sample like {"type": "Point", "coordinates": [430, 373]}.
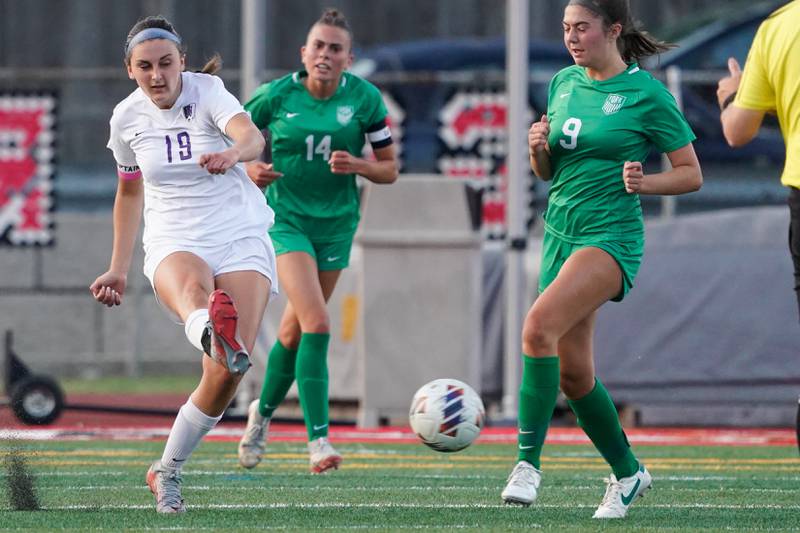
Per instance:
{"type": "Point", "coordinates": [382, 170]}
{"type": "Point", "coordinates": [109, 287]}
{"type": "Point", "coordinates": [248, 143]}
{"type": "Point", "coordinates": [685, 175]}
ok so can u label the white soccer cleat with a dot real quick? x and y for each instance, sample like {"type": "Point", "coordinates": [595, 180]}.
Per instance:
{"type": "Point", "coordinates": [620, 494]}
{"type": "Point", "coordinates": [323, 456]}
{"type": "Point", "coordinates": [254, 440]}
{"type": "Point", "coordinates": [523, 484]}
{"type": "Point", "coordinates": [165, 484]}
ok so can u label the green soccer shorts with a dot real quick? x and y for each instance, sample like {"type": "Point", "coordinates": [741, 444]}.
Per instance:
{"type": "Point", "coordinates": [555, 252]}
{"type": "Point", "coordinates": [329, 255]}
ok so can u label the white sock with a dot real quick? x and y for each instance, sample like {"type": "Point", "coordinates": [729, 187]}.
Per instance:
{"type": "Point", "coordinates": [194, 327]}
{"type": "Point", "coordinates": [190, 426]}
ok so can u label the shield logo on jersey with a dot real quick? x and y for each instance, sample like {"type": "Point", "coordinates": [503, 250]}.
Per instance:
{"type": "Point", "coordinates": [188, 112]}
{"type": "Point", "coordinates": [613, 103]}
{"type": "Point", "coordinates": [344, 114]}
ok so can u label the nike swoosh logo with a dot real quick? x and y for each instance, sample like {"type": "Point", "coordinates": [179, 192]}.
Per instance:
{"type": "Point", "coordinates": [291, 115]}
{"type": "Point", "coordinates": [521, 432]}
{"type": "Point", "coordinates": [626, 500]}
{"type": "Point", "coordinates": [521, 447]}
{"type": "Point", "coordinates": [317, 428]}
{"type": "Point", "coordinates": [564, 95]}
{"type": "Point", "coordinates": [137, 133]}
{"type": "Point", "coordinates": [332, 259]}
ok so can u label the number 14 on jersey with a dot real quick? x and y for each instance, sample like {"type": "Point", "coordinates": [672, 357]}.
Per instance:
{"type": "Point", "coordinates": [322, 148]}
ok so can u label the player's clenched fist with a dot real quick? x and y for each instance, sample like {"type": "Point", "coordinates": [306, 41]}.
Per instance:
{"type": "Point", "coordinates": [537, 136]}
{"type": "Point", "coordinates": [219, 162]}
{"type": "Point", "coordinates": [342, 162]}
{"type": "Point", "coordinates": [632, 176]}
{"type": "Point", "coordinates": [109, 288]}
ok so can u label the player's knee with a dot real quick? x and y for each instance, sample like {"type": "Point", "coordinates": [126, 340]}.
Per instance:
{"type": "Point", "coordinates": [194, 294]}
{"type": "Point", "coordinates": [575, 384]}
{"type": "Point", "coordinates": [569, 384]}
{"type": "Point", "coordinates": [537, 337]}
{"type": "Point", "coordinates": [316, 323]}
{"type": "Point", "coordinates": [289, 336]}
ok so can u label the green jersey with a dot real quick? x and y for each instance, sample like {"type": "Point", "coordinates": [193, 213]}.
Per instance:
{"type": "Point", "coordinates": [305, 131]}
{"type": "Point", "coordinates": [595, 126]}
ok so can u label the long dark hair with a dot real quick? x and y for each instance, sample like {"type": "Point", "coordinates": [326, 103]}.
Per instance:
{"type": "Point", "coordinates": [633, 42]}
{"type": "Point", "coordinates": [212, 66]}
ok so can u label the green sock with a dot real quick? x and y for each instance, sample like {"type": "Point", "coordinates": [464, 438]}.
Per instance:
{"type": "Point", "coordinates": [278, 378]}
{"type": "Point", "coordinates": [537, 399]}
{"type": "Point", "coordinates": [598, 418]}
{"type": "Point", "coordinates": [312, 382]}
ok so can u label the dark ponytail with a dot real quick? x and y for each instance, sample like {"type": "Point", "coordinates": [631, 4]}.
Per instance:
{"type": "Point", "coordinates": [213, 65]}
{"type": "Point", "coordinates": [633, 43]}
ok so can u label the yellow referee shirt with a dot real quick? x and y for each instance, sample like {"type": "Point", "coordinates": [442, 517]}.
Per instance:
{"type": "Point", "coordinates": [771, 80]}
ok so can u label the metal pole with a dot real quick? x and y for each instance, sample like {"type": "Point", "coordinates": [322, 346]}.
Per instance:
{"type": "Point", "coordinates": [674, 86]}
{"type": "Point", "coordinates": [253, 21]}
{"type": "Point", "coordinates": [254, 44]}
{"type": "Point", "coordinates": [138, 290]}
{"type": "Point", "coordinates": [518, 169]}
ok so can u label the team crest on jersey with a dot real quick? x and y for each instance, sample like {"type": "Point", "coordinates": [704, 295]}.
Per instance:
{"type": "Point", "coordinates": [613, 103]}
{"type": "Point", "coordinates": [188, 112]}
{"type": "Point", "coordinates": [344, 114]}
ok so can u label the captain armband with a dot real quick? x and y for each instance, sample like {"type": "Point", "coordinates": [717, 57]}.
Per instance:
{"type": "Point", "coordinates": [379, 135]}
{"type": "Point", "coordinates": [129, 172]}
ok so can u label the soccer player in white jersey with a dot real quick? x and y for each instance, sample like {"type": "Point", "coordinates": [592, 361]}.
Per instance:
{"type": "Point", "coordinates": [178, 141]}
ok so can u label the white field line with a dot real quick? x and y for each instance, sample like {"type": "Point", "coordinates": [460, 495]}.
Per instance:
{"type": "Point", "coordinates": [771, 506]}
{"type": "Point", "coordinates": [453, 488]}
{"type": "Point", "coordinates": [222, 473]}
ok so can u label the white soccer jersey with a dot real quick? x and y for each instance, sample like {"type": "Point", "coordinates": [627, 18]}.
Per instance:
{"type": "Point", "coordinates": [183, 203]}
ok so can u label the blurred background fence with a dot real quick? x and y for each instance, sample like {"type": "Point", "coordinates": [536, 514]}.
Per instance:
{"type": "Point", "coordinates": [440, 66]}
{"type": "Point", "coordinates": [76, 51]}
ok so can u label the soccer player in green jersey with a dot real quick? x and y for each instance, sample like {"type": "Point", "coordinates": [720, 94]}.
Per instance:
{"type": "Point", "coordinates": [318, 119]}
{"type": "Point", "coordinates": [604, 115]}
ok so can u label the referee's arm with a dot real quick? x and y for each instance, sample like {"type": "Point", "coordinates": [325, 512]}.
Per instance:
{"type": "Point", "coordinates": [739, 125]}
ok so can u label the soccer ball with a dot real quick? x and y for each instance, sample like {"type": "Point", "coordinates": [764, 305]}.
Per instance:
{"type": "Point", "coordinates": [446, 414]}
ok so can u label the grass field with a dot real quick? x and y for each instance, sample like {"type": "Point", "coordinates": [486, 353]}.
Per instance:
{"type": "Point", "coordinates": [127, 385]}
{"type": "Point", "coordinates": [98, 486]}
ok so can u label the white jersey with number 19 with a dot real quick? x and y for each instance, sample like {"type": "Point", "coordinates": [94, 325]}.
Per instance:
{"type": "Point", "coordinates": [183, 203]}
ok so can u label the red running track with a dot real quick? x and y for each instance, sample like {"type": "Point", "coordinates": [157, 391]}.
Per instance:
{"type": "Point", "coordinates": [93, 425]}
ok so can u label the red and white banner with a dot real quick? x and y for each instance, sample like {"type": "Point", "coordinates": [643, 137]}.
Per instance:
{"type": "Point", "coordinates": [27, 134]}
{"type": "Point", "coordinates": [474, 131]}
